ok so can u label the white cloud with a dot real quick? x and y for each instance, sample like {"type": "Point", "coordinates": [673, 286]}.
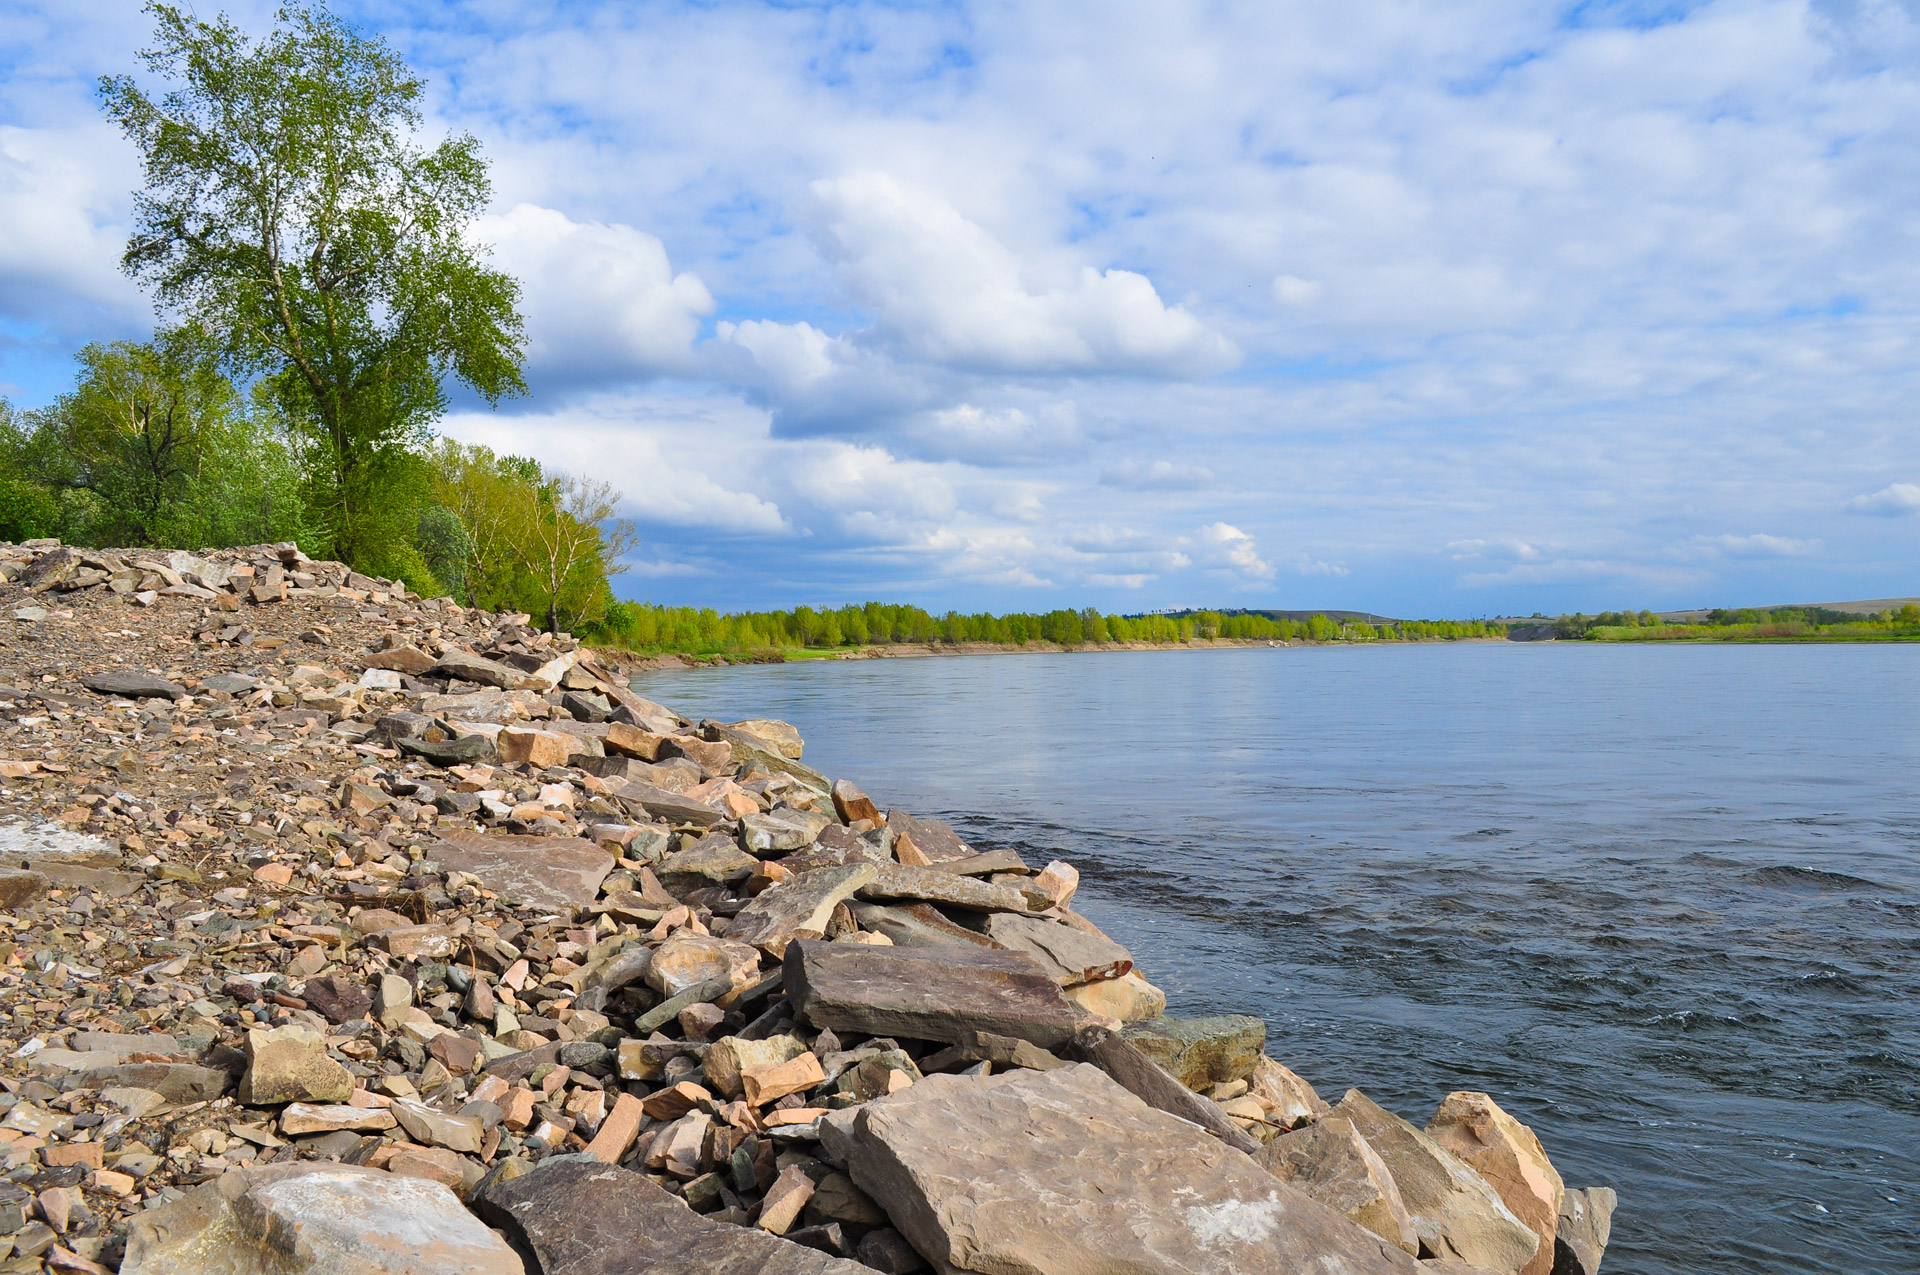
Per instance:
{"type": "Point", "coordinates": [63, 207]}
{"type": "Point", "coordinates": [1894, 501]}
{"type": "Point", "coordinates": [1236, 549]}
{"type": "Point", "coordinates": [1757, 545]}
{"type": "Point", "coordinates": [944, 290]}
{"type": "Point", "coordinates": [599, 299]}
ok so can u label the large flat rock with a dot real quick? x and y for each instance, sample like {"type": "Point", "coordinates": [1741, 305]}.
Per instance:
{"type": "Point", "coordinates": [1065, 1173]}
{"type": "Point", "coordinates": [671, 806]}
{"type": "Point", "coordinates": [578, 1216]}
{"type": "Point", "coordinates": [799, 908]}
{"type": "Point", "coordinates": [931, 885]}
{"type": "Point", "coordinates": [1071, 956]}
{"type": "Point", "coordinates": [316, 1219]}
{"type": "Point", "coordinates": [548, 872]}
{"type": "Point", "coordinates": [66, 858]}
{"type": "Point", "coordinates": [927, 993]}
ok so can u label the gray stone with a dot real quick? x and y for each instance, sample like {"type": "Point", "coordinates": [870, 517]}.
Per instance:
{"type": "Point", "coordinates": [546, 872]}
{"type": "Point", "coordinates": [178, 1083]}
{"type": "Point", "coordinates": [448, 752]}
{"type": "Point", "coordinates": [1100, 1182]}
{"type": "Point", "coordinates": [1202, 1051]}
{"type": "Point", "coordinates": [132, 684]}
{"type": "Point", "coordinates": [469, 667]}
{"type": "Point", "coordinates": [926, 993]}
{"type": "Point", "coordinates": [1455, 1212]}
{"type": "Point", "coordinates": [1586, 1224]}
{"type": "Point", "coordinates": [230, 683]}
{"type": "Point", "coordinates": [930, 885]}
{"type": "Point", "coordinates": [1071, 956]}
{"type": "Point", "coordinates": [712, 860]}
{"type": "Point", "coordinates": [934, 840]}
{"type": "Point", "coordinates": [671, 806]}
{"type": "Point", "coordinates": [778, 831]}
{"type": "Point", "coordinates": [316, 1219]}
{"type": "Point", "coordinates": [1331, 1162]}
{"type": "Point", "coordinates": [799, 908]}
{"type": "Point", "coordinates": [578, 1216]}
{"type": "Point", "coordinates": [746, 748]}
{"type": "Point", "coordinates": [437, 1128]}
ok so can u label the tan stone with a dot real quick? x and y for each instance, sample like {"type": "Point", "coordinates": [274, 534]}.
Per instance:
{"type": "Point", "coordinates": [727, 1057]}
{"type": "Point", "coordinates": [1129, 998]}
{"type": "Point", "coordinates": [775, 1081]}
{"type": "Point", "coordinates": [785, 1198]}
{"type": "Point", "coordinates": [290, 1064]}
{"type": "Point", "coordinates": [1290, 1101]}
{"type": "Point", "coordinates": [774, 736]}
{"type": "Point", "coordinates": [1331, 1162]}
{"type": "Point", "coordinates": [538, 748]}
{"type": "Point", "coordinates": [688, 960]}
{"type": "Point", "coordinates": [618, 1130]}
{"type": "Point", "coordinates": [305, 1117]}
{"type": "Point", "coordinates": [1508, 1155]}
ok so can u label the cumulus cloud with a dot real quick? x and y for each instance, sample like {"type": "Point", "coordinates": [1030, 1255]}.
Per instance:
{"type": "Point", "coordinates": [63, 207]}
{"type": "Point", "coordinates": [943, 290]}
{"type": "Point", "coordinates": [601, 300]}
{"type": "Point", "coordinates": [1236, 549]}
{"type": "Point", "coordinates": [1893, 501]}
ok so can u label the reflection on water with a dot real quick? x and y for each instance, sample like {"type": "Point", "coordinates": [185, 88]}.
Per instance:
{"type": "Point", "coordinates": [1662, 902]}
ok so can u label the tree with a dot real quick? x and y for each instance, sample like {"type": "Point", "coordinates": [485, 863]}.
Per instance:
{"type": "Point", "coordinates": [574, 543]}
{"type": "Point", "coordinates": [289, 210]}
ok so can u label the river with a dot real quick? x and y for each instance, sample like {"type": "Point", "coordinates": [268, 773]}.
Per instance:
{"type": "Point", "coordinates": [1662, 902]}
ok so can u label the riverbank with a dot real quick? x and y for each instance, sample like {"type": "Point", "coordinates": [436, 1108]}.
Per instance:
{"type": "Point", "coordinates": [345, 923]}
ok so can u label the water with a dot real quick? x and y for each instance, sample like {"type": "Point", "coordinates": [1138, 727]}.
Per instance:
{"type": "Point", "coordinates": [1662, 902]}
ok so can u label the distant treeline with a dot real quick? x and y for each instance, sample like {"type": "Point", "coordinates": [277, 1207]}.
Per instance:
{"type": "Point", "coordinates": [641, 626]}
{"type": "Point", "coordinates": [1744, 624]}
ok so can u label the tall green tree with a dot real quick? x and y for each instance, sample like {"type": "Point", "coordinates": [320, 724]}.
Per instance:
{"type": "Point", "coordinates": [290, 209]}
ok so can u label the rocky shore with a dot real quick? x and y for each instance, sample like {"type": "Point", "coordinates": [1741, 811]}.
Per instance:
{"type": "Point", "coordinates": [346, 932]}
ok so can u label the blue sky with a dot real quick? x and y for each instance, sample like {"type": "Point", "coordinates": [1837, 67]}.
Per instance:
{"type": "Point", "coordinates": [1419, 308]}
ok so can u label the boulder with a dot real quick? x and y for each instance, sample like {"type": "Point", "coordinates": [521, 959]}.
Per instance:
{"type": "Point", "coordinates": [799, 908]}
{"type": "Point", "coordinates": [780, 831]}
{"type": "Point", "coordinates": [1290, 1101]}
{"type": "Point", "coordinates": [1152, 1084]}
{"type": "Point", "coordinates": [774, 736]}
{"type": "Point", "coordinates": [852, 805]}
{"type": "Point", "coordinates": [315, 1219]}
{"type": "Point", "coordinates": [132, 684]}
{"type": "Point", "coordinates": [578, 1216]}
{"type": "Point", "coordinates": [410, 660]}
{"type": "Point", "coordinates": [727, 1057]}
{"type": "Point", "coordinates": [1202, 1051]}
{"type": "Point", "coordinates": [1331, 1162]}
{"type": "Point", "coordinates": [290, 1064]}
{"type": "Point", "coordinates": [685, 961]}
{"type": "Point", "coordinates": [555, 873]}
{"type": "Point", "coordinates": [1100, 1182]}
{"type": "Point", "coordinates": [1455, 1212]}
{"type": "Point", "coordinates": [1508, 1155]}
{"type": "Point", "coordinates": [712, 860]}
{"type": "Point", "coordinates": [917, 925]}
{"type": "Point", "coordinates": [671, 806]}
{"type": "Point", "coordinates": [1071, 956]}
{"type": "Point", "coordinates": [1129, 998]}
{"type": "Point", "coordinates": [926, 993]}
{"type": "Point", "coordinates": [1585, 1226]}
{"type": "Point", "coordinates": [930, 885]}
{"type": "Point", "coordinates": [469, 667]}
{"type": "Point", "coordinates": [540, 749]}
{"type": "Point", "coordinates": [448, 752]}
{"type": "Point", "coordinates": [928, 840]}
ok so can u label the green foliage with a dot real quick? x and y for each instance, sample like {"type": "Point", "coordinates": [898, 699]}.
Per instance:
{"type": "Point", "coordinates": [1747, 624]}
{"type": "Point", "coordinates": [288, 211]}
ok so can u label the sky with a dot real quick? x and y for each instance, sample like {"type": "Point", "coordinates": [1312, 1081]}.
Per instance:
{"type": "Point", "coordinates": [1430, 309]}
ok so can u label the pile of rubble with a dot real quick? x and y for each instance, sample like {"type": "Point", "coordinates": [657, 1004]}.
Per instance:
{"type": "Point", "coordinates": [345, 931]}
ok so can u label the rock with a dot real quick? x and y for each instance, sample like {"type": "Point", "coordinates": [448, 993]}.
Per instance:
{"type": "Point", "coordinates": [432, 942]}
{"type": "Point", "coordinates": [557, 873]}
{"type": "Point", "coordinates": [799, 908]}
{"type": "Point", "coordinates": [774, 1081]}
{"type": "Point", "coordinates": [132, 684]}
{"type": "Point", "coordinates": [930, 840]}
{"type": "Point", "coordinates": [403, 659]}
{"type": "Point", "coordinates": [436, 1128]}
{"type": "Point", "coordinates": [672, 807]}
{"type": "Point", "coordinates": [448, 752]}
{"type": "Point", "coordinates": [710, 755]}
{"type": "Point", "coordinates": [1101, 1182]}
{"type": "Point", "coordinates": [230, 683]}
{"type": "Point", "coordinates": [290, 1064]}
{"type": "Point", "coordinates": [469, 667]}
{"type": "Point", "coordinates": [917, 925]}
{"type": "Point", "coordinates": [1585, 1226]}
{"type": "Point", "coordinates": [315, 1219]}
{"type": "Point", "coordinates": [1508, 1155]}
{"type": "Point", "coordinates": [537, 748]}
{"type": "Point", "coordinates": [774, 736]}
{"type": "Point", "coordinates": [1202, 1051]}
{"type": "Point", "coordinates": [392, 998]}
{"type": "Point", "coordinates": [1154, 1085]}
{"type": "Point", "coordinates": [1331, 1162]}
{"type": "Point", "coordinates": [617, 1131]}
{"type": "Point", "coordinates": [432, 1163]}
{"type": "Point", "coordinates": [1129, 998]}
{"type": "Point", "coordinates": [897, 881]}
{"type": "Point", "coordinates": [729, 1056]}
{"type": "Point", "coordinates": [688, 960]}
{"type": "Point", "coordinates": [781, 830]}
{"type": "Point", "coordinates": [713, 860]}
{"type": "Point", "coordinates": [853, 805]}
{"type": "Point", "coordinates": [19, 887]}
{"type": "Point", "coordinates": [926, 993]}
{"type": "Point", "coordinates": [1290, 1101]}
{"type": "Point", "coordinates": [1071, 956]}
{"type": "Point", "coordinates": [337, 1000]}
{"type": "Point", "coordinates": [1058, 881]}
{"type": "Point", "coordinates": [303, 1118]}
{"type": "Point", "coordinates": [747, 750]}
{"type": "Point", "coordinates": [1455, 1212]}
{"type": "Point", "coordinates": [578, 1216]}
{"type": "Point", "coordinates": [784, 1200]}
